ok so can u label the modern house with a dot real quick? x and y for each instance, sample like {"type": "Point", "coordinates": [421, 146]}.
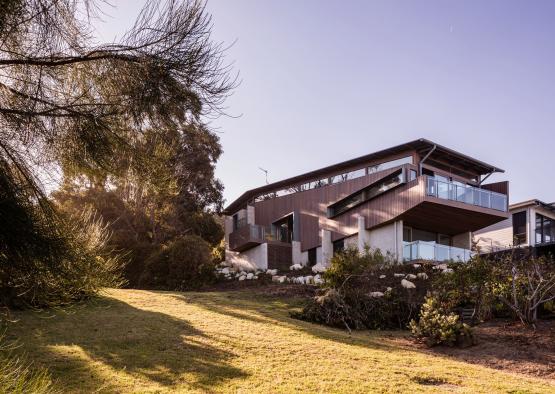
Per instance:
{"type": "Point", "coordinates": [530, 224]}
{"type": "Point", "coordinates": [415, 201]}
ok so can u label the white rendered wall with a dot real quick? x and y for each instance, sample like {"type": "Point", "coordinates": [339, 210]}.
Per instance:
{"type": "Point", "coordinates": [351, 242]}
{"type": "Point", "coordinates": [297, 255]}
{"type": "Point", "coordinates": [319, 255]}
{"type": "Point", "coordinates": [387, 238]}
{"type": "Point", "coordinates": [249, 260]}
{"type": "Point", "coordinates": [498, 236]}
{"type": "Point", "coordinates": [327, 247]}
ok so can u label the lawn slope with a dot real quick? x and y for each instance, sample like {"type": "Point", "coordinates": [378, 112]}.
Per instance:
{"type": "Point", "coordinates": [146, 341]}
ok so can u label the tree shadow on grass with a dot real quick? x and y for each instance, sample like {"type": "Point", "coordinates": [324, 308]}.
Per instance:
{"type": "Point", "coordinates": [259, 308]}
{"type": "Point", "coordinates": [141, 345]}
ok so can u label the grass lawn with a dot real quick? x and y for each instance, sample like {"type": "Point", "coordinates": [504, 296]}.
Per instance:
{"type": "Point", "coordinates": [146, 341]}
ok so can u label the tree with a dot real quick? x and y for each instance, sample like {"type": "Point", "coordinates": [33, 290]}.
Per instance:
{"type": "Point", "coordinates": [68, 102]}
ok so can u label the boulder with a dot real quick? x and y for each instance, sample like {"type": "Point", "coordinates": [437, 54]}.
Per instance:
{"type": "Point", "coordinates": [271, 272]}
{"type": "Point", "coordinates": [250, 275]}
{"type": "Point", "coordinates": [416, 266]}
{"type": "Point", "coordinates": [447, 271]}
{"type": "Point", "coordinates": [318, 280]}
{"type": "Point", "coordinates": [225, 271]}
{"type": "Point", "coordinates": [308, 279]}
{"type": "Point", "coordinates": [318, 268]}
{"type": "Point", "coordinates": [388, 289]}
{"type": "Point", "coordinates": [242, 277]}
{"type": "Point", "coordinates": [399, 275]}
{"type": "Point", "coordinates": [376, 294]}
{"type": "Point", "coordinates": [407, 284]}
{"type": "Point", "coordinates": [422, 275]}
{"type": "Point", "coordinates": [410, 276]}
{"type": "Point", "coordinates": [382, 276]}
{"type": "Point", "coordinates": [296, 267]}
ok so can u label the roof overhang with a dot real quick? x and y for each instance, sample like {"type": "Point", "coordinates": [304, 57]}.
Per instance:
{"type": "Point", "coordinates": [422, 146]}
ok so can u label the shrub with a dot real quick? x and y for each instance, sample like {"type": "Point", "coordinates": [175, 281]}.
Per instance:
{"type": "Point", "coordinates": [184, 264]}
{"type": "Point", "coordinates": [16, 376]}
{"type": "Point", "coordinates": [350, 263]}
{"type": "Point", "coordinates": [83, 267]}
{"type": "Point", "coordinates": [356, 310]}
{"type": "Point", "coordinates": [437, 327]}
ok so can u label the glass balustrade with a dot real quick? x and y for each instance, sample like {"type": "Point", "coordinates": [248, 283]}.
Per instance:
{"type": "Point", "coordinates": [466, 194]}
{"type": "Point", "coordinates": [421, 250]}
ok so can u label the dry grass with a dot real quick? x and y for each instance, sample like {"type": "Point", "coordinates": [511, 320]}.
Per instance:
{"type": "Point", "coordinates": [145, 341]}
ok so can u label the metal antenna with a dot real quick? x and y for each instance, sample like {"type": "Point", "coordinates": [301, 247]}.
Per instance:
{"type": "Point", "coordinates": [265, 172]}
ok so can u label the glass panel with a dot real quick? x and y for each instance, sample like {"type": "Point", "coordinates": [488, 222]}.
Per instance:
{"type": "Point", "coordinates": [427, 251]}
{"type": "Point", "coordinates": [389, 164]}
{"type": "Point", "coordinates": [442, 253]}
{"type": "Point", "coordinates": [457, 254]}
{"type": "Point", "coordinates": [443, 190]}
{"type": "Point", "coordinates": [498, 201]}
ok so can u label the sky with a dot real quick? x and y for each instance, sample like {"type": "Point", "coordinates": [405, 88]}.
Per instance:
{"type": "Point", "coordinates": [327, 81]}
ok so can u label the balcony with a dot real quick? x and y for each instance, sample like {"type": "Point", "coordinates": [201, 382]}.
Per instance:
{"type": "Point", "coordinates": [421, 250]}
{"type": "Point", "coordinates": [466, 194]}
{"type": "Point", "coordinates": [250, 235]}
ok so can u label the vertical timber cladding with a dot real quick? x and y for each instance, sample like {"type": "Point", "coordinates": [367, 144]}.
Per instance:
{"type": "Point", "coordinates": [312, 207]}
{"type": "Point", "coordinates": [279, 256]}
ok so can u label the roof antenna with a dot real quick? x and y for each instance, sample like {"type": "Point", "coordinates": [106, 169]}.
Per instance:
{"type": "Point", "coordinates": [265, 172]}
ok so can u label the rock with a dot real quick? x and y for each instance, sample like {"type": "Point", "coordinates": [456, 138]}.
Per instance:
{"type": "Point", "coordinates": [242, 273]}
{"type": "Point", "coordinates": [271, 272]}
{"type": "Point", "coordinates": [250, 275]}
{"type": "Point", "coordinates": [422, 275]}
{"type": "Point", "coordinates": [225, 271]}
{"type": "Point", "coordinates": [242, 277]}
{"type": "Point", "coordinates": [440, 267]}
{"type": "Point", "coordinates": [382, 276]}
{"type": "Point", "coordinates": [255, 277]}
{"type": "Point", "coordinates": [296, 267]}
{"type": "Point", "coordinates": [407, 284]}
{"type": "Point", "coordinates": [308, 279]}
{"type": "Point", "coordinates": [388, 289]}
{"type": "Point", "coordinates": [447, 271]}
{"type": "Point", "coordinates": [317, 268]}
{"type": "Point", "coordinates": [278, 278]}
{"type": "Point", "coordinates": [411, 276]}
{"type": "Point", "coordinates": [318, 280]}
{"type": "Point", "coordinates": [416, 266]}
{"type": "Point", "coordinates": [399, 275]}
{"type": "Point", "coordinates": [376, 294]}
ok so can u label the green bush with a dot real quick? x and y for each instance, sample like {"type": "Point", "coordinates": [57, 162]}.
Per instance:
{"type": "Point", "coordinates": [438, 327]}
{"type": "Point", "coordinates": [184, 264]}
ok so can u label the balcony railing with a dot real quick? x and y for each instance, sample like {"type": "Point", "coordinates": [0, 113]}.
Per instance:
{"type": "Point", "coordinates": [421, 250]}
{"type": "Point", "coordinates": [466, 194]}
{"type": "Point", "coordinates": [249, 234]}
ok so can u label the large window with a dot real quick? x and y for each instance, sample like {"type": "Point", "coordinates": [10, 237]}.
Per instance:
{"type": "Point", "coordinates": [390, 164]}
{"type": "Point", "coordinates": [545, 229]}
{"type": "Point", "coordinates": [367, 193]}
{"type": "Point", "coordinates": [337, 178]}
{"type": "Point", "coordinates": [519, 228]}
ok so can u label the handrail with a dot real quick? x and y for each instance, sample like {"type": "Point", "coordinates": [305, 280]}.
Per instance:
{"type": "Point", "coordinates": [466, 194]}
{"type": "Point", "coordinates": [422, 250]}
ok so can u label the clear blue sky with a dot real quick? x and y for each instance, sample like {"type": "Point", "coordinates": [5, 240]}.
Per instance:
{"type": "Point", "coordinates": [326, 81]}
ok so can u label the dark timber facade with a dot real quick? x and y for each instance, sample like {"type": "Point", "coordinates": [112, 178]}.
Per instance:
{"type": "Point", "coordinates": [415, 201]}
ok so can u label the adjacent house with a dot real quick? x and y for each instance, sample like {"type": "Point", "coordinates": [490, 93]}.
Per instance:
{"type": "Point", "coordinates": [530, 224]}
{"type": "Point", "coordinates": [415, 201]}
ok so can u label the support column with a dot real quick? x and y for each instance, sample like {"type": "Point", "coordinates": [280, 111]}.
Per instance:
{"type": "Point", "coordinates": [362, 239]}
{"type": "Point", "coordinates": [327, 247]}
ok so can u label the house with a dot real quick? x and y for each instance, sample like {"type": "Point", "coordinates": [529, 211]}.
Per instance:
{"type": "Point", "coordinates": [415, 201]}
{"type": "Point", "coordinates": [530, 224]}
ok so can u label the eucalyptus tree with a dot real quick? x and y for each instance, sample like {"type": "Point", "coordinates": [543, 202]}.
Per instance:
{"type": "Point", "coordinates": [69, 101]}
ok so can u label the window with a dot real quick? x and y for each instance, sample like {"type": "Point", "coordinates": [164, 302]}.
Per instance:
{"type": "Point", "coordinates": [444, 239]}
{"type": "Point", "coordinates": [284, 229]}
{"type": "Point", "coordinates": [519, 227]}
{"type": "Point", "coordinates": [545, 229]}
{"type": "Point", "coordinates": [338, 246]}
{"type": "Point", "coordinates": [367, 193]}
{"type": "Point", "coordinates": [390, 164]}
{"type": "Point", "coordinates": [407, 234]}
{"type": "Point", "coordinates": [312, 256]}
{"type": "Point", "coordinates": [412, 175]}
